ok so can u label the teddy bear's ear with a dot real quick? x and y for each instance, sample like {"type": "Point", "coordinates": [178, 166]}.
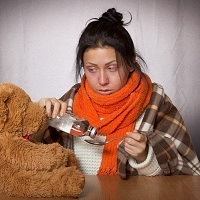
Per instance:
{"type": "Point", "coordinates": [4, 95]}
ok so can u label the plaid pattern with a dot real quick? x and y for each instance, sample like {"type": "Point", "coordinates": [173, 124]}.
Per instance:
{"type": "Point", "coordinates": [164, 128]}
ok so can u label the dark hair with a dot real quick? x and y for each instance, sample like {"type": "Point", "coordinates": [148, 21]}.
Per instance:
{"type": "Point", "coordinates": [108, 30]}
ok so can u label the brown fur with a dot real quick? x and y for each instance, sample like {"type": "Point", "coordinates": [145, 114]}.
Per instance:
{"type": "Point", "coordinates": [30, 169]}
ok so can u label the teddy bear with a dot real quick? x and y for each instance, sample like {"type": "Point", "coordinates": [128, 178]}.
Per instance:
{"type": "Point", "coordinates": [30, 168]}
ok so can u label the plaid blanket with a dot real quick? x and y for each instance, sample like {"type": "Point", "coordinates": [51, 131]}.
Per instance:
{"type": "Point", "coordinates": [164, 128]}
{"type": "Point", "coordinates": [167, 134]}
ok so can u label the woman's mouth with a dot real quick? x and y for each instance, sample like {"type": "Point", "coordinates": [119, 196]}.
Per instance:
{"type": "Point", "coordinates": [105, 92]}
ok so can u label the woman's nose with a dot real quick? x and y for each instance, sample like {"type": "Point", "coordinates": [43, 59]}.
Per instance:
{"type": "Point", "coordinates": [103, 78]}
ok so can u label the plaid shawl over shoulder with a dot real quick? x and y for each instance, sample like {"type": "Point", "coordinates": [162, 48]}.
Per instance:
{"type": "Point", "coordinates": [167, 135]}
{"type": "Point", "coordinates": [164, 128]}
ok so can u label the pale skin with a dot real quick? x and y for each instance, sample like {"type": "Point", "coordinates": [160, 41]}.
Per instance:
{"type": "Point", "coordinates": [105, 76]}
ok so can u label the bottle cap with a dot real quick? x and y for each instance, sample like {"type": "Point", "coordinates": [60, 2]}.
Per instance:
{"type": "Point", "coordinates": [92, 131]}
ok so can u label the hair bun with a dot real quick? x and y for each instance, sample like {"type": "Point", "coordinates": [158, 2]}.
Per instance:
{"type": "Point", "coordinates": [113, 16]}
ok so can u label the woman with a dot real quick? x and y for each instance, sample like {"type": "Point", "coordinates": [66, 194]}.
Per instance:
{"type": "Point", "coordinates": [121, 101]}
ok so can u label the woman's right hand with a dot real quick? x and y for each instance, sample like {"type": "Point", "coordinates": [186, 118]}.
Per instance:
{"type": "Point", "coordinates": [53, 106]}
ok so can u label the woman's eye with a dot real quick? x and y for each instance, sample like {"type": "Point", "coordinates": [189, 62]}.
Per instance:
{"type": "Point", "coordinates": [91, 69]}
{"type": "Point", "coordinates": [112, 68]}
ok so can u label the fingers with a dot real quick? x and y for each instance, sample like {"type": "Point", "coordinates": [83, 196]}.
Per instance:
{"type": "Point", "coordinates": [59, 107]}
{"type": "Point", "coordinates": [136, 136]}
{"type": "Point", "coordinates": [53, 106]}
{"type": "Point", "coordinates": [136, 145]}
{"type": "Point", "coordinates": [63, 107]}
{"type": "Point", "coordinates": [48, 106]}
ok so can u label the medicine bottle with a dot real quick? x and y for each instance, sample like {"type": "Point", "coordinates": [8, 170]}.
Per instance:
{"type": "Point", "coordinates": [73, 124]}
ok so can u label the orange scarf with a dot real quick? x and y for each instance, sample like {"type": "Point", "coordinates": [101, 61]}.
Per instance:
{"type": "Point", "coordinates": [119, 111]}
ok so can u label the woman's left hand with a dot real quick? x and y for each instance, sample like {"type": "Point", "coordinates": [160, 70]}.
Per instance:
{"type": "Point", "coordinates": [136, 145]}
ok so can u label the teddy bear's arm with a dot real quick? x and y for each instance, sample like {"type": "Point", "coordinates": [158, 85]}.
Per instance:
{"type": "Point", "coordinates": [24, 154]}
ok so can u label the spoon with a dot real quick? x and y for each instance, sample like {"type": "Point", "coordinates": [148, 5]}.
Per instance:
{"type": "Point", "coordinates": [97, 142]}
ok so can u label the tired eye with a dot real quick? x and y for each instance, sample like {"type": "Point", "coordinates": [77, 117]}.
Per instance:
{"type": "Point", "coordinates": [112, 68]}
{"type": "Point", "coordinates": [91, 69]}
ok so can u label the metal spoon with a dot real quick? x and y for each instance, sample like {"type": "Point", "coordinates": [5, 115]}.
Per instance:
{"type": "Point", "coordinates": [97, 142]}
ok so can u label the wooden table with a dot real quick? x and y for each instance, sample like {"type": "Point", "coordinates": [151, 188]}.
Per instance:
{"type": "Point", "coordinates": [137, 187]}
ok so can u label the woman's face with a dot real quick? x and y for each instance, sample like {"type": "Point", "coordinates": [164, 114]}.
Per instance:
{"type": "Point", "coordinates": [102, 71]}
